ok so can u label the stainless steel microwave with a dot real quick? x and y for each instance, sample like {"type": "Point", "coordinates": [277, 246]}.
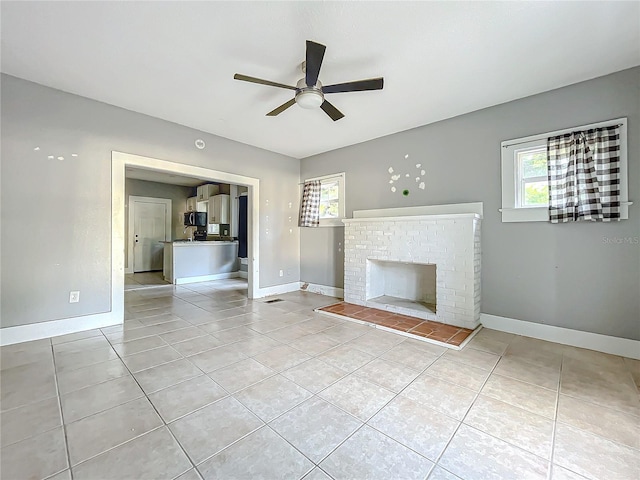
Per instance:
{"type": "Point", "coordinates": [195, 219]}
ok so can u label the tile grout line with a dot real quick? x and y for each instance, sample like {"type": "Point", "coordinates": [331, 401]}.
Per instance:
{"type": "Point", "coordinates": [598, 435]}
{"type": "Point", "coordinates": [164, 424]}
{"type": "Point", "coordinates": [523, 381]}
{"type": "Point", "coordinates": [300, 403]}
{"type": "Point", "coordinates": [232, 443]}
{"type": "Point", "coordinates": [229, 395]}
{"type": "Point", "coordinates": [276, 373]}
{"type": "Point", "coordinates": [365, 423]}
{"type": "Point", "coordinates": [205, 373]}
{"type": "Point", "coordinates": [213, 334]}
{"type": "Point", "coordinates": [354, 372]}
{"type": "Point", "coordinates": [144, 394]}
{"type": "Point", "coordinates": [379, 356]}
{"type": "Point", "coordinates": [339, 444]}
{"type": "Point", "coordinates": [505, 441]}
{"type": "Point", "coordinates": [64, 426]}
{"type": "Point", "coordinates": [555, 423]}
{"type": "Point", "coordinates": [461, 421]}
{"type": "Point", "coordinates": [486, 433]}
{"type": "Point", "coordinates": [601, 437]}
{"type": "Point", "coordinates": [118, 445]}
{"type": "Point", "coordinates": [313, 463]}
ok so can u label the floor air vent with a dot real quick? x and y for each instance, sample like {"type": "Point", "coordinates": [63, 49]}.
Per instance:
{"type": "Point", "coordinates": [275, 300]}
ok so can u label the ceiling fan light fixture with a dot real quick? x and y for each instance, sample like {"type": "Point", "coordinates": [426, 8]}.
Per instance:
{"type": "Point", "coordinates": [309, 99]}
{"type": "Point", "coordinates": [309, 91]}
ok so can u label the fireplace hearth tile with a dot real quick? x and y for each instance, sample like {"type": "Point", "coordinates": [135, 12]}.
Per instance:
{"type": "Point", "coordinates": [458, 338]}
{"type": "Point", "coordinates": [344, 308]}
{"type": "Point", "coordinates": [401, 324]}
{"type": "Point", "coordinates": [435, 332]}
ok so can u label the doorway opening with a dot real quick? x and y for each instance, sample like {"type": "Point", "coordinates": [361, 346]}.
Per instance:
{"type": "Point", "coordinates": [121, 163]}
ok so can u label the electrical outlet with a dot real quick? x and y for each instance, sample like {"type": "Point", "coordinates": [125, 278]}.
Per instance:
{"type": "Point", "coordinates": [281, 273]}
{"type": "Point", "coordinates": [74, 296]}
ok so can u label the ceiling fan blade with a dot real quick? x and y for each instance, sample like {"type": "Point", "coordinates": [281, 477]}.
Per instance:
{"type": "Point", "coordinates": [315, 54]}
{"type": "Point", "coordinates": [281, 108]}
{"type": "Point", "coordinates": [357, 86]}
{"type": "Point", "coordinates": [246, 78]}
{"type": "Point", "coordinates": [332, 111]}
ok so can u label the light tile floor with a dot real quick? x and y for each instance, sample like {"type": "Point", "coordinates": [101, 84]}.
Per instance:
{"type": "Point", "coordinates": [200, 382]}
{"type": "Point", "coordinates": [134, 281]}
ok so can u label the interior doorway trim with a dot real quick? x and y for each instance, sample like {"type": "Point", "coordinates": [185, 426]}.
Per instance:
{"type": "Point", "coordinates": [119, 161]}
{"type": "Point", "coordinates": [130, 263]}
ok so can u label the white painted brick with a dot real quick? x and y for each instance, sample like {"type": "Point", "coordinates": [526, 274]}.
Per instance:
{"type": "Point", "coordinates": [452, 245]}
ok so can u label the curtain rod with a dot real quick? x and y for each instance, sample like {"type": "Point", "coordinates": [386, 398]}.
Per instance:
{"type": "Point", "coordinates": [324, 177]}
{"type": "Point", "coordinates": [544, 135]}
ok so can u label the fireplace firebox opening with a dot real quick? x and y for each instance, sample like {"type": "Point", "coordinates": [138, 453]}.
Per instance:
{"type": "Point", "coordinates": [402, 284]}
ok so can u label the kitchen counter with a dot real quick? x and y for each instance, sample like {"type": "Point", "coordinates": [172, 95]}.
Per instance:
{"type": "Point", "coordinates": [183, 243]}
{"type": "Point", "coordinates": [200, 261]}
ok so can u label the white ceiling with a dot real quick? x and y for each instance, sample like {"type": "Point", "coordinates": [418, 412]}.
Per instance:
{"type": "Point", "coordinates": [176, 60]}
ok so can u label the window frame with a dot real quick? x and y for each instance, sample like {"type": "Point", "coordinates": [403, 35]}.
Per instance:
{"type": "Point", "coordinates": [512, 210]}
{"type": "Point", "coordinates": [336, 221]}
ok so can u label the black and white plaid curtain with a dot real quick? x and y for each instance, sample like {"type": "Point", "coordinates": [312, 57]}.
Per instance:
{"type": "Point", "coordinates": [310, 205]}
{"type": "Point", "coordinates": [584, 175]}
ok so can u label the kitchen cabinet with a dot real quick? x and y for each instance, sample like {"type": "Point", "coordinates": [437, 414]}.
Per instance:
{"type": "Point", "coordinates": [206, 191]}
{"type": "Point", "coordinates": [192, 204]}
{"type": "Point", "coordinates": [219, 208]}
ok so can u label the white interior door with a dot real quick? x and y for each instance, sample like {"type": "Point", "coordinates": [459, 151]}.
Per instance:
{"type": "Point", "coordinates": [149, 231]}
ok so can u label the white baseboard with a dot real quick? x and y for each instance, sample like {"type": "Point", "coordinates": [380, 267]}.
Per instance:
{"type": "Point", "coordinates": [278, 289]}
{"type": "Point", "coordinates": [322, 289]}
{"type": "Point", "coordinates": [566, 336]}
{"type": "Point", "coordinates": [243, 274]}
{"type": "Point", "coordinates": [36, 331]}
{"type": "Point", "coordinates": [206, 278]}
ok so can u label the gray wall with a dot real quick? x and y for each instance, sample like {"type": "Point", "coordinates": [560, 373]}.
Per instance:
{"type": "Point", "coordinates": [65, 242]}
{"type": "Point", "coordinates": [176, 193]}
{"type": "Point", "coordinates": [565, 275]}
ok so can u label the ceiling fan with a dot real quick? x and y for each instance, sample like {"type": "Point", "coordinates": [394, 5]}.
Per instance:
{"type": "Point", "coordinates": [309, 91]}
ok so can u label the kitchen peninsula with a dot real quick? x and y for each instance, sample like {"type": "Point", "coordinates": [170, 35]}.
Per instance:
{"type": "Point", "coordinates": [200, 261]}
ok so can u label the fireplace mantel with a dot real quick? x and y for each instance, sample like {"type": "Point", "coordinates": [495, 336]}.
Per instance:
{"type": "Point", "coordinates": [441, 216]}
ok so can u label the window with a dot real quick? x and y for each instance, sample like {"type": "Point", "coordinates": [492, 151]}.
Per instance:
{"type": "Point", "coordinates": [329, 199]}
{"type": "Point", "coordinates": [332, 209]}
{"type": "Point", "coordinates": [532, 188]}
{"type": "Point", "coordinates": [525, 189]}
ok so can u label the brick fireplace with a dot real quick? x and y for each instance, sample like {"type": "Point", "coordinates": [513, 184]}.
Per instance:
{"type": "Point", "coordinates": [424, 266]}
